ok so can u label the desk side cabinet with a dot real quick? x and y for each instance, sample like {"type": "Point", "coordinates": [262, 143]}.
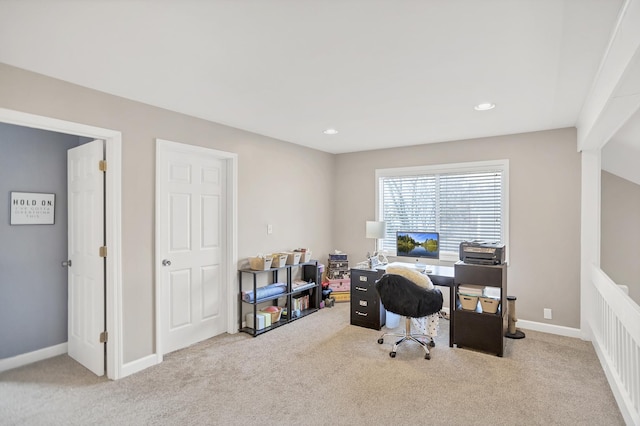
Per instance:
{"type": "Point", "coordinates": [366, 308]}
{"type": "Point", "coordinates": [473, 328]}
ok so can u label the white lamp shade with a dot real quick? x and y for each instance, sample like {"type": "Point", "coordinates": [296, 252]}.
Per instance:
{"type": "Point", "coordinates": [376, 229]}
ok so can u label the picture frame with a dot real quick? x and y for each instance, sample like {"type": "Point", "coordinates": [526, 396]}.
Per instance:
{"type": "Point", "coordinates": [32, 208]}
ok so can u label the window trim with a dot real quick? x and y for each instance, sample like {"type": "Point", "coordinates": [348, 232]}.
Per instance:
{"type": "Point", "coordinates": [467, 167]}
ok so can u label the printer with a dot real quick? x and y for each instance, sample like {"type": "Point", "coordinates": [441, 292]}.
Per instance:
{"type": "Point", "coordinates": [482, 252]}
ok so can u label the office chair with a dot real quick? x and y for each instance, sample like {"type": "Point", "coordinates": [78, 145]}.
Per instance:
{"type": "Point", "coordinates": [404, 297]}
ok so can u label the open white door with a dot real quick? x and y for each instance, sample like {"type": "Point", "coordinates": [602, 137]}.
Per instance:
{"type": "Point", "coordinates": [190, 203]}
{"type": "Point", "coordinates": [85, 193]}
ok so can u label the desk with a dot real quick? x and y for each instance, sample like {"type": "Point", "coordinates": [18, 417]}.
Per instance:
{"type": "Point", "coordinates": [366, 309]}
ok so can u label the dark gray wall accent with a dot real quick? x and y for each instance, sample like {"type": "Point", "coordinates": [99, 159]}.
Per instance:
{"type": "Point", "coordinates": [33, 284]}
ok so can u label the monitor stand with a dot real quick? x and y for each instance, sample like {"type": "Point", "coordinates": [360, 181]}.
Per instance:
{"type": "Point", "coordinates": [422, 268]}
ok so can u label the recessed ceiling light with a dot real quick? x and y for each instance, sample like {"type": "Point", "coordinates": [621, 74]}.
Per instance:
{"type": "Point", "coordinates": [330, 132]}
{"type": "Point", "coordinates": [484, 106]}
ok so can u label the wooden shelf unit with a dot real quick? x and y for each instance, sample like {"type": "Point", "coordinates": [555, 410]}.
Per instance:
{"type": "Point", "coordinates": [473, 328]}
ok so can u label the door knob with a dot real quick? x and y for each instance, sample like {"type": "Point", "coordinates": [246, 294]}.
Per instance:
{"type": "Point", "coordinates": [166, 262]}
{"type": "Point", "coordinates": [66, 263]}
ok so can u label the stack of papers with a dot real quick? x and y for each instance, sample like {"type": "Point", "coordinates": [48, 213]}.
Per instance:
{"type": "Point", "coordinates": [471, 290]}
{"type": "Point", "coordinates": [492, 292]}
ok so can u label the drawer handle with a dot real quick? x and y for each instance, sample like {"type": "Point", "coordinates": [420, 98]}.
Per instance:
{"type": "Point", "coordinates": [362, 314]}
{"type": "Point", "coordinates": [363, 303]}
{"type": "Point", "coordinates": [363, 278]}
{"type": "Point", "coordinates": [361, 288]}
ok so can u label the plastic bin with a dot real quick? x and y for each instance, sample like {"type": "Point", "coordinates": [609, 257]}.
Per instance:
{"type": "Point", "coordinates": [393, 320]}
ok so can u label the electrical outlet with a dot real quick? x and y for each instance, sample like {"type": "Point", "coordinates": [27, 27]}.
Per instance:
{"type": "Point", "coordinates": [269, 229]}
{"type": "Point", "coordinates": [547, 313]}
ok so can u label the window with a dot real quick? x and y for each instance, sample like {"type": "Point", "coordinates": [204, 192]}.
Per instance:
{"type": "Point", "coordinates": [462, 202]}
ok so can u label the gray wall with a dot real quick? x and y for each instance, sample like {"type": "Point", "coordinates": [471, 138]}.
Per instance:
{"type": "Point", "coordinates": [279, 183]}
{"type": "Point", "coordinates": [620, 232]}
{"type": "Point", "coordinates": [33, 285]}
{"type": "Point", "coordinates": [544, 203]}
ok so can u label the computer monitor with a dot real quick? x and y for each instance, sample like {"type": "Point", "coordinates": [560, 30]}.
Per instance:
{"type": "Point", "coordinates": [419, 244]}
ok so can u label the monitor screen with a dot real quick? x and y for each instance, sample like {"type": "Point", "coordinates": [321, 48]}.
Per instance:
{"type": "Point", "coordinates": [418, 244]}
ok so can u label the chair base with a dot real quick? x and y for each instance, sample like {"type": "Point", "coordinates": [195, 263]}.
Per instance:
{"type": "Point", "coordinates": [407, 336]}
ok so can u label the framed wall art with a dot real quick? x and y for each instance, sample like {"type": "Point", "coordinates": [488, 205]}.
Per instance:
{"type": "Point", "coordinates": [32, 208]}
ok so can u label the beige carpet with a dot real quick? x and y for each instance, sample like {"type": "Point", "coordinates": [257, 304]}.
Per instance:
{"type": "Point", "coordinates": [321, 370]}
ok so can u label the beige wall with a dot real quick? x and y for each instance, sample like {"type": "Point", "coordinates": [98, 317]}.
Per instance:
{"type": "Point", "coordinates": [544, 248]}
{"type": "Point", "coordinates": [320, 200]}
{"type": "Point", "coordinates": [620, 232]}
{"type": "Point", "coordinates": [279, 183]}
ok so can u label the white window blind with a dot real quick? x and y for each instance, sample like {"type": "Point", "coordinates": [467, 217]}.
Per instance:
{"type": "Point", "coordinates": [461, 203]}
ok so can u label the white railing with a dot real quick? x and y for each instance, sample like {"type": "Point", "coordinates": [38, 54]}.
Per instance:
{"type": "Point", "coordinates": [614, 321]}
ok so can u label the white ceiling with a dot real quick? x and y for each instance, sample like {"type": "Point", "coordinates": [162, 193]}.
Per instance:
{"type": "Point", "coordinates": [384, 73]}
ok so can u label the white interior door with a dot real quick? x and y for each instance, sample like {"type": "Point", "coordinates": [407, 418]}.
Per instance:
{"type": "Point", "coordinates": [190, 191]}
{"type": "Point", "coordinates": [85, 194]}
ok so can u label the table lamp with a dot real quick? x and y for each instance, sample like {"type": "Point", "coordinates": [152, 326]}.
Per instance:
{"type": "Point", "coordinates": [376, 230]}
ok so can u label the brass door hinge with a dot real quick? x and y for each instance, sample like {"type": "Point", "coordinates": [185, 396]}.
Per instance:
{"type": "Point", "coordinates": [103, 251]}
{"type": "Point", "coordinates": [102, 165]}
{"type": "Point", "coordinates": [103, 337]}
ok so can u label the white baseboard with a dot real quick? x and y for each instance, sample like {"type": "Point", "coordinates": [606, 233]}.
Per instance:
{"type": "Point", "coordinates": [139, 365]}
{"type": "Point", "coordinates": [550, 328]}
{"type": "Point", "coordinates": [31, 357]}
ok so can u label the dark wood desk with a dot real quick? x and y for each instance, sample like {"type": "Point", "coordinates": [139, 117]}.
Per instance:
{"type": "Point", "coordinates": [366, 309]}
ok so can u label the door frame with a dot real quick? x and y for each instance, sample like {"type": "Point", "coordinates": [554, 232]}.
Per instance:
{"type": "Point", "coordinates": [230, 252]}
{"type": "Point", "coordinates": [113, 219]}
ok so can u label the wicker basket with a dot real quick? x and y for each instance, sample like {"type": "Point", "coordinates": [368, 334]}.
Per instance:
{"type": "Point", "coordinates": [275, 316]}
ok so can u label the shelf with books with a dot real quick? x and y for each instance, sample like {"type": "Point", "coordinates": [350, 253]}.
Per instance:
{"type": "Point", "coordinates": [271, 291]}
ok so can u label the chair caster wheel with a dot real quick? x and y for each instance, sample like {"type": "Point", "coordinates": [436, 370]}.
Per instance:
{"type": "Point", "coordinates": [432, 344]}
{"type": "Point", "coordinates": [381, 340]}
{"type": "Point", "coordinates": [392, 354]}
{"type": "Point", "coordinates": [427, 356]}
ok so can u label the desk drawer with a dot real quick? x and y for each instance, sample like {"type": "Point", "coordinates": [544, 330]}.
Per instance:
{"type": "Point", "coordinates": [367, 314]}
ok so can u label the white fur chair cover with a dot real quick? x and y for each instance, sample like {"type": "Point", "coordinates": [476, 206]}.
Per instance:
{"type": "Point", "coordinates": [426, 325]}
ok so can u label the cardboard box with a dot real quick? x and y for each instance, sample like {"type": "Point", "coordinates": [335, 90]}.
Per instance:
{"type": "Point", "coordinates": [259, 321]}
{"type": "Point", "coordinates": [267, 318]}
{"type": "Point", "coordinates": [341, 296]}
{"type": "Point", "coordinates": [340, 284]}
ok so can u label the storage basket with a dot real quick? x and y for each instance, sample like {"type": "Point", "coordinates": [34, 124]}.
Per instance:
{"type": "Point", "coordinates": [469, 303]}
{"type": "Point", "coordinates": [489, 304]}
{"type": "Point", "coordinates": [275, 316]}
{"type": "Point", "coordinates": [305, 256]}
{"type": "Point", "coordinates": [279, 260]}
{"type": "Point", "coordinates": [260, 263]}
{"type": "Point", "coordinates": [293, 258]}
